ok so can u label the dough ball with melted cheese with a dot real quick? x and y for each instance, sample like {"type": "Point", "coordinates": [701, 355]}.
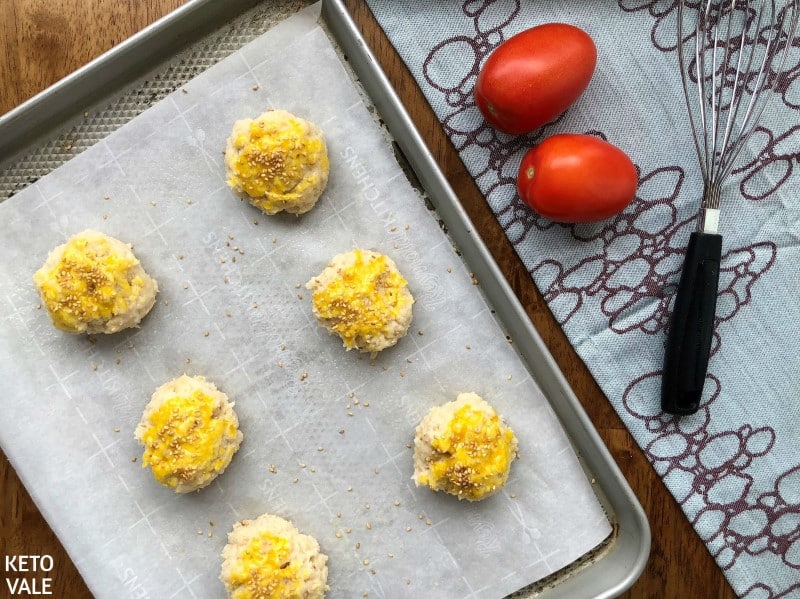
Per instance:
{"type": "Point", "coordinates": [94, 284]}
{"type": "Point", "coordinates": [362, 298]}
{"type": "Point", "coordinates": [277, 162]}
{"type": "Point", "coordinates": [269, 557]}
{"type": "Point", "coordinates": [464, 448]}
{"type": "Point", "coordinates": [189, 432]}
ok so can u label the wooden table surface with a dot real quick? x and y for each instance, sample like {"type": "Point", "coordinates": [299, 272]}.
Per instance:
{"type": "Point", "coordinates": [44, 40]}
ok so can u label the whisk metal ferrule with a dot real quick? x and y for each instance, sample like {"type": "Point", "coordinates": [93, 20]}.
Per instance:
{"type": "Point", "coordinates": [709, 213]}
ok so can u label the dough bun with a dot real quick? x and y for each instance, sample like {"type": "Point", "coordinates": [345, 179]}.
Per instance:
{"type": "Point", "coordinates": [94, 284]}
{"type": "Point", "coordinates": [463, 448]}
{"type": "Point", "coordinates": [269, 557]}
{"type": "Point", "coordinates": [362, 297]}
{"type": "Point", "coordinates": [189, 432]}
{"type": "Point", "coordinates": [277, 162]}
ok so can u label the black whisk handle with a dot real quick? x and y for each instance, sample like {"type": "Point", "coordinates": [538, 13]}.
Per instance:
{"type": "Point", "coordinates": [692, 327]}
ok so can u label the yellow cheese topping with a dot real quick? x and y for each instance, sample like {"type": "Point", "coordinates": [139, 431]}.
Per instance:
{"type": "Point", "coordinates": [363, 299]}
{"type": "Point", "coordinates": [187, 441]}
{"type": "Point", "coordinates": [474, 454]}
{"type": "Point", "coordinates": [275, 160]}
{"type": "Point", "coordinates": [90, 282]}
{"type": "Point", "coordinates": [265, 570]}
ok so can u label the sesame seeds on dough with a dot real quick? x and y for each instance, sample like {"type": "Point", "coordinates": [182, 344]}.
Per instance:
{"type": "Point", "coordinates": [278, 162]}
{"type": "Point", "coordinates": [463, 448]}
{"type": "Point", "coordinates": [189, 432]}
{"type": "Point", "coordinates": [269, 557]}
{"type": "Point", "coordinates": [362, 297]}
{"type": "Point", "coordinates": [94, 284]}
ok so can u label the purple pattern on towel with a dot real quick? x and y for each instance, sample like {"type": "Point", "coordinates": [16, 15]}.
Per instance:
{"type": "Point", "coordinates": [735, 465]}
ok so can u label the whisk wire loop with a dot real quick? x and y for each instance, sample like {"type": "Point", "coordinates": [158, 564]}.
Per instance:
{"type": "Point", "coordinates": [731, 97]}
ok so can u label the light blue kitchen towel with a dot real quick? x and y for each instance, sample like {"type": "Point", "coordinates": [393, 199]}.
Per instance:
{"type": "Point", "coordinates": [734, 467]}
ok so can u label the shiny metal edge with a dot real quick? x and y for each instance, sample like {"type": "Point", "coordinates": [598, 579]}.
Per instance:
{"type": "Point", "coordinates": [619, 568]}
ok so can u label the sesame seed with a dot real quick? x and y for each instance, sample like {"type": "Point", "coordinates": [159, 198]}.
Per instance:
{"type": "Point", "coordinates": [338, 535]}
{"type": "Point", "coordinates": [358, 545]}
{"type": "Point", "coordinates": [349, 489]}
{"type": "Point", "coordinates": [116, 429]}
{"type": "Point", "coordinates": [205, 333]}
{"type": "Point", "coordinates": [397, 504]}
{"type": "Point", "coordinates": [272, 468]}
{"type": "Point", "coordinates": [408, 529]}
{"type": "Point", "coordinates": [368, 525]}
{"type": "Point", "coordinates": [365, 562]}
{"type": "Point", "coordinates": [186, 285]}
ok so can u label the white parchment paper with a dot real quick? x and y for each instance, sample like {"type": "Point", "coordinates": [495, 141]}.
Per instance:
{"type": "Point", "coordinates": [326, 432]}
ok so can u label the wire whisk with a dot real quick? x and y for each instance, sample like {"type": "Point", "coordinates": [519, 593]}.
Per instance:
{"type": "Point", "coordinates": [730, 61]}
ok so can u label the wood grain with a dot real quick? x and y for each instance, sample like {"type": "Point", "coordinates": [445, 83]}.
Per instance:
{"type": "Point", "coordinates": [43, 40]}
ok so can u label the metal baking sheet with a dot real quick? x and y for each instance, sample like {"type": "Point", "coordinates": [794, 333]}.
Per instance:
{"type": "Point", "coordinates": [624, 557]}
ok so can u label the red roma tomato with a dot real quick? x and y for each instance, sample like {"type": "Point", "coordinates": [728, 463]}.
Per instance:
{"type": "Point", "coordinates": [534, 76]}
{"type": "Point", "coordinates": [576, 179]}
